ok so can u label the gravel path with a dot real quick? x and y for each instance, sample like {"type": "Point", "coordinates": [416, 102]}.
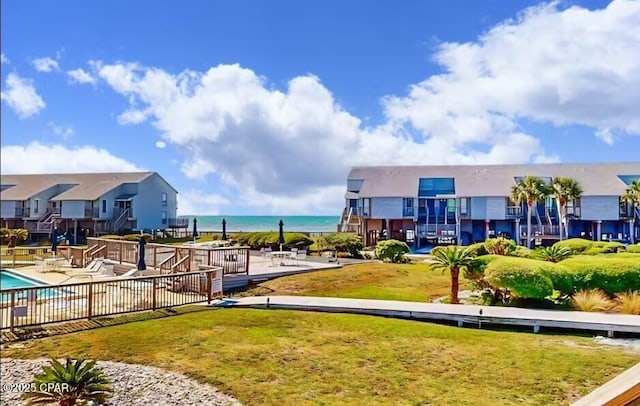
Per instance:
{"type": "Point", "coordinates": [132, 384]}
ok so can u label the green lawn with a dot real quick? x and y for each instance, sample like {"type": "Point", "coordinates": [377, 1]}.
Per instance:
{"type": "Point", "coordinates": [412, 282]}
{"type": "Point", "coordinates": [278, 357]}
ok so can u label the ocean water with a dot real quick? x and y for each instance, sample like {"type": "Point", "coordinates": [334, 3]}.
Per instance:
{"type": "Point", "coordinates": [314, 224]}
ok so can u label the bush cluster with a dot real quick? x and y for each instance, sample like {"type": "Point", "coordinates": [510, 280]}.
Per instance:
{"type": "Point", "coordinates": [341, 242]}
{"type": "Point", "coordinates": [392, 251]}
{"type": "Point", "coordinates": [269, 239]}
{"type": "Point", "coordinates": [536, 279]}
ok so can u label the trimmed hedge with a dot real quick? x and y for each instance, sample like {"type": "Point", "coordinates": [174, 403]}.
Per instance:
{"type": "Point", "coordinates": [634, 249]}
{"type": "Point", "coordinates": [526, 278]}
{"type": "Point", "coordinates": [265, 239]}
{"type": "Point", "coordinates": [612, 274]}
{"type": "Point", "coordinates": [576, 245]}
{"type": "Point", "coordinates": [478, 249]}
{"type": "Point", "coordinates": [522, 252]}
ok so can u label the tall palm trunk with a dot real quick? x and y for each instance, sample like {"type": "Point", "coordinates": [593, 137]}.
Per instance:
{"type": "Point", "coordinates": [455, 273]}
{"type": "Point", "coordinates": [529, 209]}
{"type": "Point", "coordinates": [560, 206]}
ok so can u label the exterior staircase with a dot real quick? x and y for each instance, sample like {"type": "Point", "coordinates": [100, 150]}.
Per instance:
{"type": "Point", "coordinates": [120, 219]}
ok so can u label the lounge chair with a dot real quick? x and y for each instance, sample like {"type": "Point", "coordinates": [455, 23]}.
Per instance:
{"type": "Point", "coordinates": [130, 273]}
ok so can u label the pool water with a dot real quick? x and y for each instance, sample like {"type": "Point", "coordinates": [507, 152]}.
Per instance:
{"type": "Point", "coordinates": [11, 280]}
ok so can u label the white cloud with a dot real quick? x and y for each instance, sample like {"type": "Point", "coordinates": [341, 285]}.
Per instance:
{"type": "Point", "coordinates": [21, 96]}
{"type": "Point", "coordinates": [289, 149]}
{"type": "Point", "coordinates": [63, 131]}
{"type": "Point", "coordinates": [605, 135]}
{"type": "Point", "coordinates": [3, 58]}
{"type": "Point", "coordinates": [566, 67]}
{"type": "Point", "coordinates": [43, 158]}
{"type": "Point", "coordinates": [81, 76]}
{"type": "Point", "coordinates": [161, 144]}
{"type": "Point", "coordinates": [45, 64]}
{"type": "Point", "coordinates": [199, 202]}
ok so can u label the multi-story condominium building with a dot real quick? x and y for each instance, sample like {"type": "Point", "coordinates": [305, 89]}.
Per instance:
{"type": "Point", "coordinates": [98, 203]}
{"type": "Point", "coordinates": [464, 204]}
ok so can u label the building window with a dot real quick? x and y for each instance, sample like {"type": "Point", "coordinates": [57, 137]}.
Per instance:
{"type": "Point", "coordinates": [463, 206]}
{"type": "Point", "coordinates": [164, 217]}
{"type": "Point", "coordinates": [164, 199]}
{"type": "Point", "coordinates": [407, 205]}
{"type": "Point", "coordinates": [104, 206]}
{"type": "Point", "coordinates": [36, 209]}
{"type": "Point", "coordinates": [431, 187]}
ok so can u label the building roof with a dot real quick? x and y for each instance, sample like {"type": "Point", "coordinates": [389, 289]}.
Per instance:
{"type": "Point", "coordinates": [88, 186]}
{"type": "Point", "coordinates": [596, 179]}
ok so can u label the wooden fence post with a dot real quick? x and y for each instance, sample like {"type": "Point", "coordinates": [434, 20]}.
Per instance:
{"type": "Point", "coordinates": [14, 249]}
{"type": "Point", "coordinates": [90, 301]}
{"type": "Point", "coordinates": [209, 294]}
{"type": "Point", "coordinates": [153, 299]}
{"type": "Point", "coordinates": [120, 256]}
{"type": "Point", "coordinates": [246, 266]}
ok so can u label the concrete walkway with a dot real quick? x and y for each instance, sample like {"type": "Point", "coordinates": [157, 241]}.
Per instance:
{"type": "Point", "coordinates": [461, 314]}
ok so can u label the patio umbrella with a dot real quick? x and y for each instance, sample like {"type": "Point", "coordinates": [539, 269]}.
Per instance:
{"type": "Point", "coordinates": [54, 241]}
{"type": "Point", "coordinates": [195, 227]}
{"type": "Point", "coordinates": [224, 230]}
{"type": "Point", "coordinates": [141, 265]}
{"type": "Point", "coordinates": [281, 234]}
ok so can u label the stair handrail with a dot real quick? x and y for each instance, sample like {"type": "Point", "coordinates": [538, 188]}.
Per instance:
{"type": "Point", "coordinates": [167, 264]}
{"type": "Point", "coordinates": [118, 222]}
{"type": "Point", "coordinates": [174, 267]}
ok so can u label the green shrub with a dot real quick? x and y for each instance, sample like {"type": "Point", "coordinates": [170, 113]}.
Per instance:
{"type": "Point", "coordinates": [500, 246]}
{"type": "Point", "coordinates": [478, 249]}
{"type": "Point", "coordinates": [608, 246]}
{"type": "Point", "coordinates": [612, 274]}
{"type": "Point", "coordinates": [576, 245]}
{"type": "Point", "coordinates": [634, 249]}
{"type": "Point", "coordinates": [341, 242]}
{"type": "Point", "coordinates": [475, 272]}
{"type": "Point", "coordinates": [112, 237]}
{"type": "Point", "coordinates": [392, 250]}
{"type": "Point", "coordinates": [526, 278]}
{"type": "Point", "coordinates": [264, 239]}
{"type": "Point", "coordinates": [594, 251]}
{"type": "Point", "coordinates": [522, 252]}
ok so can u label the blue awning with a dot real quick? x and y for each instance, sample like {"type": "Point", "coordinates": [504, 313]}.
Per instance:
{"type": "Point", "coordinates": [125, 197]}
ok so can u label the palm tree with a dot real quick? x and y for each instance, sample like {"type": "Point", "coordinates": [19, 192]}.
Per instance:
{"type": "Point", "coordinates": [564, 190]}
{"type": "Point", "coordinates": [453, 259]}
{"type": "Point", "coordinates": [552, 254]}
{"type": "Point", "coordinates": [632, 196]}
{"type": "Point", "coordinates": [15, 234]}
{"type": "Point", "coordinates": [531, 189]}
{"type": "Point", "coordinates": [76, 380]}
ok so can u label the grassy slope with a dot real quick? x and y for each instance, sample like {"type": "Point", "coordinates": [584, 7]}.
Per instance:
{"type": "Point", "coordinates": [267, 357]}
{"type": "Point", "coordinates": [412, 282]}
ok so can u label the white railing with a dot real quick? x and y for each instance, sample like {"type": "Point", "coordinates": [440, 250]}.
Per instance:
{"type": "Point", "coordinates": [346, 223]}
{"type": "Point", "coordinates": [540, 230]}
{"type": "Point", "coordinates": [120, 220]}
{"type": "Point", "coordinates": [436, 229]}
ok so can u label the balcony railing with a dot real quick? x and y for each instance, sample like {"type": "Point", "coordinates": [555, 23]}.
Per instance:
{"type": "Point", "coordinates": [178, 222]}
{"type": "Point", "coordinates": [538, 230]}
{"type": "Point", "coordinates": [514, 211]}
{"type": "Point", "coordinates": [408, 212]}
{"type": "Point", "coordinates": [573, 211]}
{"type": "Point", "coordinates": [436, 230]}
{"type": "Point", "coordinates": [22, 212]}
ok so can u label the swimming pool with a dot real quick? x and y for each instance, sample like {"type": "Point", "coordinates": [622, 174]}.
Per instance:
{"type": "Point", "coordinates": [12, 280]}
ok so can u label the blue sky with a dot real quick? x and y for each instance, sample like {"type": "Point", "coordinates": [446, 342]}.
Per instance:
{"type": "Point", "coordinates": [253, 107]}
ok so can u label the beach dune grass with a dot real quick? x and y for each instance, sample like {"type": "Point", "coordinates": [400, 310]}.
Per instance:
{"type": "Point", "coordinates": [384, 281]}
{"type": "Point", "coordinates": [279, 357]}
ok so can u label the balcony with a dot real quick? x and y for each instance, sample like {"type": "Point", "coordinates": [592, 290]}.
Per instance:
{"type": "Point", "coordinates": [573, 212]}
{"type": "Point", "coordinates": [514, 212]}
{"type": "Point", "coordinates": [408, 212]}
{"type": "Point", "coordinates": [177, 223]}
{"type": "Point", "coordinates": [538, 230]}
{"type": "Point", "coordinates": [436, 230]}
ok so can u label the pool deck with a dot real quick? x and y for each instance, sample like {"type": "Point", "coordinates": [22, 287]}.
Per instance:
{"type": "Point", "coordinates": [260, 269]}
{"type": "Point", "coordinates": [470, 315]}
